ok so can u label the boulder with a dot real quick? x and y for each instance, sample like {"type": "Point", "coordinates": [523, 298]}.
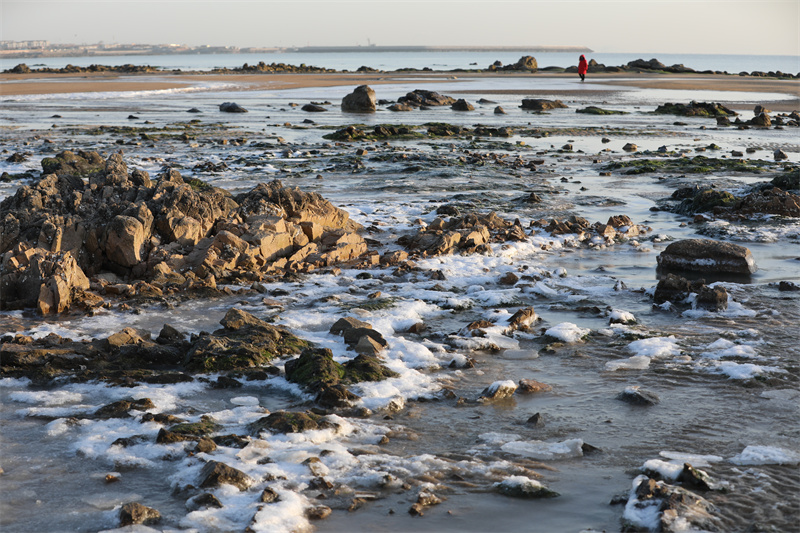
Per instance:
{"type": "Point", "coordinates": [498, 391]}
{"type": "Point", "coordinates": [135, 513]}
{"type": "Point", "coordinates": [638, 396]}
{"type": "Point", "coordinates": [537, 104]}
{"type": "Point", "coordinates": [361, 100]}
{"type": "Point", "coordinates": [231, 107]}
{"type": "Point", "coordinates": [421, 97]}
{"type": "Point", "coordinates": [125, 237]}
{"type": "Point", "coordinates": [215, 473]}
{"type": "Point", "coordinates": [285, 422]}
{"type": "Point", "coordinates": [313, 108]}
{"type": "Point", "coordinates": [704, 255]}
{"type": "Point", "coordinates": [462, 105]}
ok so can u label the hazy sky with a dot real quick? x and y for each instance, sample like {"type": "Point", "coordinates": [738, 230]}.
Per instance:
{"type": "Point", "coordinates": [699, 26]}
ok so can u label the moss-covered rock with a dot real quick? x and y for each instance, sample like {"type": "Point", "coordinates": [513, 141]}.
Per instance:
{"type": "Point", "coordinates": [695, 109]}
{"type": "Point", "coordinates": [788, 180]}
{"type": "Point", "coordinates": [367, 368]}
{"type": "Point", "coordinates": [314, 368]}
{"type": "Point", "coordinates": [81, 164]}
{"type": "Point", "coordinates": [204, 428]}
{"type": "Point", "coordinates": [688, 165]}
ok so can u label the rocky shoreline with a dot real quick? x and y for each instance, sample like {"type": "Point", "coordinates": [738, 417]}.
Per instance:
{"type": "Point", "coordinates": [92, 233]}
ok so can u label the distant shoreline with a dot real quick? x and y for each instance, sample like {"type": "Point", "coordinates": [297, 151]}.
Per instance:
{"type": "Point", "coordinates": [93, 51]}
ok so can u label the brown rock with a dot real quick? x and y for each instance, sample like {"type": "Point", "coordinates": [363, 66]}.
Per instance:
{"type": "Point", "coordinates": [530, 386]}
{"type": "Point", "coordinates": [136, 513]}
{"type": "Point", "coordinates": [704, 255]}
{"type": "Point", "coordinates": [361, 100]}
{"type": "Point", "coordinates": [215, 473]}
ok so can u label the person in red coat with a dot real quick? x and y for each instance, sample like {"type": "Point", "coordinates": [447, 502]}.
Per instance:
{"type": "Point", "coordinates": [583, 66]}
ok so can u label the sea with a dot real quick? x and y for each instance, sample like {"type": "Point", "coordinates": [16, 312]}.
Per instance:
{"type": "Point", "coordinates": [727, 381]}
{"type": "Point", "coordinates": [452, 60]}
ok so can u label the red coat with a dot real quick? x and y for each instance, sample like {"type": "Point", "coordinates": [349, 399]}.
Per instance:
{"type": "Point", "coordinates": [583, 66]}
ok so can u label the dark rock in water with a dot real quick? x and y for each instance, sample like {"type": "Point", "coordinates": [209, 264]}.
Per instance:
{"type": "Point", "coordinates": [723, 121]}
{"type": "Point", "coordinates": [204, 428]}
{"type": "Point", "coordinates": [313, 108]}
{"type": "Point", "coordinates": [787, 180]}
{"type": "Point", "coordinates": [120, 409]}
{"type": "Point", "coordinates": [314, 368]}
{"type": "Point", "coordinates": [421, 97]}
{"type": "Point", "coordinates": [499, 111]}
{"type": "Point", "coordinates": [343, 324]}
{"type": "Point", "coordinates": [400, 107]}
{"type": "Point", "coordinates": [194, 110]}
{"type": "Point", "coordinates": [788, 286]}
{"type": "Point", "coordinates": [132, 117]}
{"type": "Point", "coordinates": [224, 382]}
{"type": "Point", "coordinates": [537, 420]}
{"type": "Point", "coordinates": [484, 101]}
{"type": "Point", "coordinates": [215, 473]}
{"type": "Point", "coordinates": [695, 109]}
{"type": "Point", "coordinates": [367, 368]}
{"type": "Point", "coordinates": [638, 396]}
{"type": "Point", "coordinates": [712, 298]}
{"type": "Point", "coordinates": [537, 104]}
{"type": "Point", "coordinates": [527, 489]}
{"type": "Point", "coordinates": [17, 158]}
{"type": "Point", "coordinates": [779, 155]}
{"type": "Point", "coordinates": [285, 422]}
{"type": "Point", "coordinates": [231, 107]}
{"type": "Point", "coordinates": [704, 255]}
{"type": "Point", "coordinates": [462, 105]}
{"type": "Point", "coordinates": [678, 507]}
{"type": "Point", "coordinates": [531, 386]}
{"type": "Point", "coordinates": [693, 478]}
{"type": "Point", "coordinates": [762, 120]}
{"type": "Point", "coordinates": [125, 442]}
{"type": "Point", "coordinates": [205, 445]}
{"type": "Point", "coordinates": [334, 395]}
{"type": "Point", "coordinates": [136, 513]}
{"type": "Point", "coordinates": [361, 100]}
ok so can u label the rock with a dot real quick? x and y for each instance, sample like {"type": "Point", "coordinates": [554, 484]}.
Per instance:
{"type": "Point", "coordinates": [203, 501]}
{"type": "Point", "coordinates": [723, 121]}
{"type": "Point", "coordinates": [523, 319]}
{"type": "Point", "coordinates": [712, 298]}
{"type": "Point", "coordinates": [498, 391]}
{"type": "Point", "coordinates": [509, 278]}
{"type": "Point", "coordinates": [779, 155]}
{"type": "Point", "coordinates": [530, 386]}
{"type": "Point", "coordinates": [215, 473]}
{"type": "Point", "coordinates": [537, 420]}
{"type": "Point", "coordinates": [653, 64]}
{"type": "Point", "coordinates": [693, 478]}
{"type": "Point", "coordinates": [499, 111]}
{"type": "Point", "coordinates": [762, 120]}
{"type": "Point", "coordinates": [120, 409]}
{"type": "Point", "coordinates": [400, 107]}
{"type": "Point", "coordinates": [125, 237]}
{"type": "Point", "coordinates": [285, 422]}
{"type": "Point", "coordinates": [703, 255]}
{"type": "Point", "coordinates": [788, 286]}
{"type": "Point", "coordinates": [205, 445]}
{"type": "Point", "coordinates": [136, 513]}
{"type": "Point", "coordinates": [268, 495]}
{"type": "Point", "coordinates": [630, 147]}
{"type": "Point", "coordinates": [462, 105]}
{"type": "Point", "coordinates": [536, 104]}
{"type": "Point", "coordinates": [525, 64]}
{"type": "Point", "coordinates": [231, 107]}
{"type": "Point", "coordinates": [421, 97]}
{"type": "Point", "coordinates": [313, 108]}
{"type": "Point", "coordinates": [523, 487]}
{"type": "Point", "coordinates": [638, 396]}
{"type": "Point", "coordinates": [361, 100]}
{"type": "Point", "coordinates": [318, 512]}
{"type": "Point", "coordinates": [695, 109]}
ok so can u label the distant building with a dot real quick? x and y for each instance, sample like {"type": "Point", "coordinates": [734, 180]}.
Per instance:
{"type": "Point", "coordinates": [23, 45]}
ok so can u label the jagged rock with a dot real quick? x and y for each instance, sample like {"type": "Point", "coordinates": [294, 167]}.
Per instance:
{"type": "Point", "coordinates": [523, 319]}
{"type": "Point", "coordinates": [695, 109]}
{"type": "Point", "coordinates": [203, 501]}
{"type": "Point", "coordinates": [361, 100]}
{"type": "Point", "coordinates": [703, 255]}
{"type": "Point", "coordinates": [121, 408]}
{"type": "Point", "coordinates": [136, 513]}
{"type": "Point", "coordinates": [215, 473]}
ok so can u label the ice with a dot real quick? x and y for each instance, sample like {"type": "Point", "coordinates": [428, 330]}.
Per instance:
{"type": "Point", "coordinates": [567, 332]}
{"type": "Point", "coordinates": [618, 316]}
{"type": "Point", "coordinates": [544, 451]}
{"type": "Point", "coordinates": [693, 459]}
{"type": "Point", "coordinates": [742, 370]}
{"type": "Point", "coordinates": [725, 348]}
{"type": "Point", "coordinates": [642, 514]}
{"type": "Point", "coordinates": [667, 471]}
{"type": "Point", "coordinates": [781, 394]}
{"type": "Point", "coordinates": [244, 400]}
{"type": "Point", "coordinates": [637, 362]}
{"type": "Point", "coordinates": [766, 455]}
{"type": "Point", "coordinates": [655, 347]}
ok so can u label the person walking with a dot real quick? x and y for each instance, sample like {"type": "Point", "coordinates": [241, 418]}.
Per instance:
{"type": "Point", "coordinates": [583, 66]}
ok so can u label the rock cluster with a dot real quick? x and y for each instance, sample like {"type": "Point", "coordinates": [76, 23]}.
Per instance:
{"type": "Point", "coordinates": [22, 68]}
{"type": "Point", "coordinates": [677, 290]}
{"type": "Point", "coordinates": [537, 104]}
{"type": "Point", "coordinates": [159, 237]}
{"type": "Point", "coordinates": [424, 98]}
{"type": "Point", "coordinates": [524, 64]}
{"type": "Point", "coordinates": [695, 109]}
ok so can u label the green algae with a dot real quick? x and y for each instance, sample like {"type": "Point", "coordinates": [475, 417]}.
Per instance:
{"type": "Point", "coordinates": [689, 165]}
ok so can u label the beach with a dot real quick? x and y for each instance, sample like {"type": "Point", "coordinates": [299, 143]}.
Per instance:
{"type": "Point", "coordinates": [302, 316]}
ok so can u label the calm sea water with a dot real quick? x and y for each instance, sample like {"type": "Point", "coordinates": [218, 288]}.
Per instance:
{"type": "Point", "coordinates": [419, 60]}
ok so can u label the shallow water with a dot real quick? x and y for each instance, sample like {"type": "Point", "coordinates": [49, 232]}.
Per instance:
{"type": "Point", "coordinates": [726, 380]}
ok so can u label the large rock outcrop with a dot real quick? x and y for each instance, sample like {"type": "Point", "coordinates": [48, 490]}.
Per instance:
{"type": "Point", "coordinates": [704, 255]}
{"type": "Point", "coordinates": [60, 231]}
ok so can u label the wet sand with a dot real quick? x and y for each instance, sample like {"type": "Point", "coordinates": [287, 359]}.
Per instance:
{"type": "Point", "coordinates": [38, 83]}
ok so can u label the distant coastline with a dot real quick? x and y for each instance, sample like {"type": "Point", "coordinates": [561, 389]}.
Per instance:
{"type": "Point", "coordinates": [10, 50]}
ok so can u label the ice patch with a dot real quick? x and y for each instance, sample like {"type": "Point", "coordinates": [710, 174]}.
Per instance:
{"type": "Point", "coordinates": [667, 471]}
{"type": "Point", "coordinates": [567, 332]}
{"type": "Point", "coordinates": [244, 400]}
{"type": "Point", "coordinates": [781, 394]}
{"type": "Point", "coordinates": [693, 459]}
{"type": "Point", "coordinates": [655, 347]}
{"type": "Point", "coordinates": [742, 370]}
{"type": "Point", "coordinates": [766, 455]}
{"type": "Point", "coordinates": [725, 348]}
{"type": "Point", "coordinates": [637, 362]}
{"type": "Point", "coordinates": [544, 451]}
{"type": "Point", "coordinates": [644, 514]}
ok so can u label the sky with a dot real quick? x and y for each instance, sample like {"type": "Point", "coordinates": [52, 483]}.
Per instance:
{"type": "Point", "coordinates": [769, 27]}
